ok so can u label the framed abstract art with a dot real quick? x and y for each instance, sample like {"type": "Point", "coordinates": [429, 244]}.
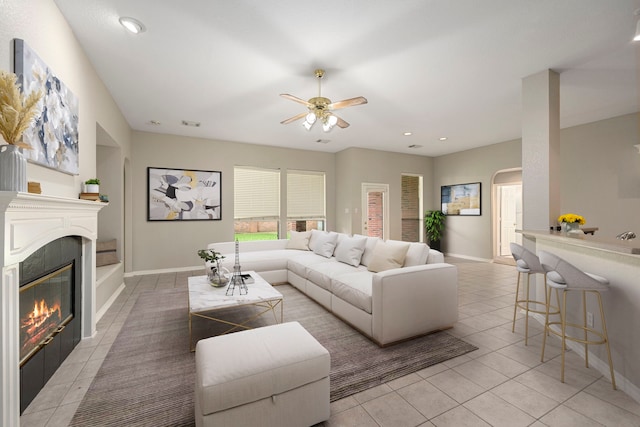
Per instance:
{"type": "Point", "coordinates": [54, 135]}
{"type": "Point", "coordinates": [183, 195]}
{"type": "Point", "coordinates": [461, 199]}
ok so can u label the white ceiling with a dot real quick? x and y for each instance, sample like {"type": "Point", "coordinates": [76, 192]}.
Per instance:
{"type": "Point", "coordinates": [436, 68]}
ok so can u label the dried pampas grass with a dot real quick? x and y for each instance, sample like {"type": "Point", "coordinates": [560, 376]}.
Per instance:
{"type": "Point", "coordinates": [16, 111]}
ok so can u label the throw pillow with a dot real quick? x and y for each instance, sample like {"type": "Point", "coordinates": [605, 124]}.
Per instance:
{"type": "Point", "coordinates": [316, 236]}
{"type": "Point", "coordinates": [325, 243]}
{"type": "Point", "coordinates": [299, 240]}
{"type": "Point", "coordinates": [417, 254]}
{"type": "Point", "coordinates": [349, 250]}
{"type": "Point", "coordinates": [368, 249]}
{"type": "Point", "coordinates": [388, 255]}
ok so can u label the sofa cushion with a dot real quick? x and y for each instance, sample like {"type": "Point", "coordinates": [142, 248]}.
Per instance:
{"type": "Point", "coordinates": [322, 273]}
{"type": "Point", "coordinates": [299, 240]}
{"type": "Point", "coordinates": [349, 249]}
{"type": "Point", "coordinates": [298, 264]}
{"type": "Point", "coordinates": [323, 243]}
{"type": "Point", "coordinates": [354, 288]}
{"type": "Point", "coordinates": [388, 255]}
{"type": "Point", "coordinates": [368, 249]}
{"type": "Point", "coordinates": [259, 260]}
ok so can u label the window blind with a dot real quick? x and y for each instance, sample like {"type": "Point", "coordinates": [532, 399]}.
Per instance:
{"type": "Point", "coordinates": [305, 195]}
{"type": "Point", "coordinates": [256, 194]}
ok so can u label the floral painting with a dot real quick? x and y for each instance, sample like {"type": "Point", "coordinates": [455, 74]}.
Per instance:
{"type": "Point", "coordinates": [54, 135]}
{"type": "Point", "coordinates": [179, 195]}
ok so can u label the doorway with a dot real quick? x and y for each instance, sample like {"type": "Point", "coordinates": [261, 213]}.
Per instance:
{"type": "Point", "coordinates": [507, 213]}
{"type": "Point", "coordinates": [375, 208]}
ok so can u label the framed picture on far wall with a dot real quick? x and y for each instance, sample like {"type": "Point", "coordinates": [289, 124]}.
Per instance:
{"type": "Point", "coordinates": [461, 199]}
{"type": "Point", "coordinates": [183, 195]}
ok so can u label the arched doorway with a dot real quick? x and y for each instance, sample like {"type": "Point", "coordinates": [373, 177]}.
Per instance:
{"type": "Point", "coordinates": [506, 192]}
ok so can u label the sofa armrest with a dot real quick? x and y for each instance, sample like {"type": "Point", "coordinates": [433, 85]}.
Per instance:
{"type": "Point", "coordinates": [412, 301]}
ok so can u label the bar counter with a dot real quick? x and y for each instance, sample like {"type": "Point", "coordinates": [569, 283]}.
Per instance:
{"type": "Point", "coordinates": [619, 262]}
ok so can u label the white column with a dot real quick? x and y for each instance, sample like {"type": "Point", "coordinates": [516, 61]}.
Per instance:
{"type": "Point", "coordinates": [540, 149]}
{"type": "Point", "coordinates": [9, 351]}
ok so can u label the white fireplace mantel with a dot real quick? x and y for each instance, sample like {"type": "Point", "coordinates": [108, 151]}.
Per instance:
{"type": "Point", "coordinates": [30, 221]}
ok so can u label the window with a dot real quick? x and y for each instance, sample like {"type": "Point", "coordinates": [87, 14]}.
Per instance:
{"type": "Point", "coordinates": [306, 204]}
{"type": "Point", "coordinates": [256, 203]}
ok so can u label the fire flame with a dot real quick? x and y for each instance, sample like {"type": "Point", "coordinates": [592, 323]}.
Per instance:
{"type": "Point", "coordinates": [40, 314]}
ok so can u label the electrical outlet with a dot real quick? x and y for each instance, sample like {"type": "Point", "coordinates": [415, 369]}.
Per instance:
{"type": "Point", "coordinates": [590, 319]}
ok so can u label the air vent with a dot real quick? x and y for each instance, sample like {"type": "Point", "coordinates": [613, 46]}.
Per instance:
{"type": "Point", "coordinates": [415, 146]}
{"type": "Point", "coordinates": [191, 124]}
{"type": "Point", "coordinates": [323, 141]}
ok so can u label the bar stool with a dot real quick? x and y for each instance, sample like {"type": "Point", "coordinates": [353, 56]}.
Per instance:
{"type": "Point", "coordinates": [565, 277]}
{"type": "Point", "coordinates": [527, 263]}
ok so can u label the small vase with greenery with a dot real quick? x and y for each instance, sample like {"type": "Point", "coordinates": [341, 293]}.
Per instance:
{"type": "Point", "coordinates": [212, 260]}
{"type": "Point", "coordinates": [434, 226]}
{"type": "Point", "coordinates": [92, 185]}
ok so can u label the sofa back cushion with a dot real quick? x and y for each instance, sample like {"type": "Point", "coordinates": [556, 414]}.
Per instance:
{"type": "Point", "coordinates": [388, 255]}
{"type": "Point", "coordinates": [349, 249]}
{"type": "Point", "coordinates": [299, 240]}
{"type": "Point", "coordinates": [417, 254]}
{"type": "Point", "coordinates": [323, 243]}
{"type": "Point", "coordinates": [367, 255]}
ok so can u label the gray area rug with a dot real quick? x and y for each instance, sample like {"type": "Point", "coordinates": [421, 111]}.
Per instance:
{"type": "Point", "coordinates": [148, 376]}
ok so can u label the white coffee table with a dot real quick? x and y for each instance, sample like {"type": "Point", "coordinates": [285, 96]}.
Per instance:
{"type": "Point", "coordinates": [205, 301]}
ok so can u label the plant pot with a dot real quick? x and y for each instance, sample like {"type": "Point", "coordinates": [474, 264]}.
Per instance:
{"type": "Point", "coordinates": [92, 188]}
{"type": "Point", "coordinates": [13, 169]}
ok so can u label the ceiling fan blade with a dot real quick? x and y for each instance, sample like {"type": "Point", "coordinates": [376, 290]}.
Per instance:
{"type": "Point", "coordinates": [341, 123]}
{"type": "Point", "coordinates": [296, 99]}
{"type": "Point", "coordinates": [294, 118]}
{"type": "Point", "coordinates": [347, 103]}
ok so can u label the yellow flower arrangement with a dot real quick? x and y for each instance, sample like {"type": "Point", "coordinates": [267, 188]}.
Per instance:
{"type": "Point", "coordinates": [571, 218]}
{"type": "Point", "coordinates": [16, 111]}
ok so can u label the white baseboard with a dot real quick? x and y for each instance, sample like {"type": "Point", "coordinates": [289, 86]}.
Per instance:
{"type": "Point", "coordinates": [470, 258]}
{"type": "Point", "coordinates": [162, 271]}
{"type": "Point", "coordinates": [109, 302]}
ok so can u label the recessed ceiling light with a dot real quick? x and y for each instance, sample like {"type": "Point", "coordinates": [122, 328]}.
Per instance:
{"type": "Point", "coordinates": [132, 24]}
{"type": "Point", "coordinates": [443, 138]}
{"type": "Point", "coordinates": [191, 124]}
{"type": "Point", "coordinates": [407, 134]}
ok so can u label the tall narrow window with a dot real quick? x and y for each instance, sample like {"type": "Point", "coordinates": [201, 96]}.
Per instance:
{"type": "Point", "coordinates": [256, 197]}
{"type": "Point", "coordinates": [306, 202]}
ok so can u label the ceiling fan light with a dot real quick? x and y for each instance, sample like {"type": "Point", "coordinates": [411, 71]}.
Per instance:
{"type": "Point", "coordinates": [307, 125]}
{"type": "Point", "coordinates": [332, 120]}
{"type": "Point", "coordinates": [311, 118]}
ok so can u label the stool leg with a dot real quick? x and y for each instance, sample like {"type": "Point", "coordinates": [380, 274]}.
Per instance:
{"type": "Point", "coordinates": [526, 314]}
{"type": "Point", "coordinates": [563, 321]}
{"type": "Point", "coordinates": [606, 341]}
{"type": "Point", "coordinates": [584, 324]}
{"type": "Point", "coordinates": [515, 305]}
{"type": "Point", "coordinates": [547, 300]}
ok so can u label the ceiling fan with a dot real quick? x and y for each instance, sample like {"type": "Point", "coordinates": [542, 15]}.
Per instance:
{"type": "Point", "coordinates": [321, 108]}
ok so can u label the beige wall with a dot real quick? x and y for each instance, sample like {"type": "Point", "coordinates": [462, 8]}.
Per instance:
{"type": "Point", "coordinates": [470, 236]}
{"type": "Point", "coordinates": [355, 166]}
{"type": "Point", "coordinates": [41, 25]}
{"type": "Point", "coordinates": [599, 179]}
{"type": "Point", "coordinates": [167, 244]}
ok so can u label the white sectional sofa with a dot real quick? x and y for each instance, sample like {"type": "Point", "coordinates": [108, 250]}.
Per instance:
{"type": "Point", "coordinates": [389, 290]}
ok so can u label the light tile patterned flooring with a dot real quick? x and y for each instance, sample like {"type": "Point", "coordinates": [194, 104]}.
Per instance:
{"type": "Point", "coordinates": [502, 383]}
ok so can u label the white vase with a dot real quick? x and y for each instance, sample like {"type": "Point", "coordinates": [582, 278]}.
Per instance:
{"type": "Point", "coordinates": [13, 169]}
{"type": "Point", "coordinates": [91, 188]}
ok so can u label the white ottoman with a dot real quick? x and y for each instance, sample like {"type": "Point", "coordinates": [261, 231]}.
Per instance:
{"type": "Point", "coordinates": [272, 376]}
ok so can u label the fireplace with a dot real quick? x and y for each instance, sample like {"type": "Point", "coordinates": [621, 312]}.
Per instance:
{"type": "Point", "coordinates": [50, 304]}
{"type": "Point", "coordinates": [29, 223]}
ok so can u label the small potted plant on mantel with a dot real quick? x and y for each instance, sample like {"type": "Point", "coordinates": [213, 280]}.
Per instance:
{"type": "Point", "coordinates": [92, 185]}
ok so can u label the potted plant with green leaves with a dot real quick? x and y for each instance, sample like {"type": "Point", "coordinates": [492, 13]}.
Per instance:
{"type": "Point", "coordinates": [215, 273]}
{"type": "Point", "coordinates": [434, 226]}
{"type": "Point", "coordinates": [92, 185]}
